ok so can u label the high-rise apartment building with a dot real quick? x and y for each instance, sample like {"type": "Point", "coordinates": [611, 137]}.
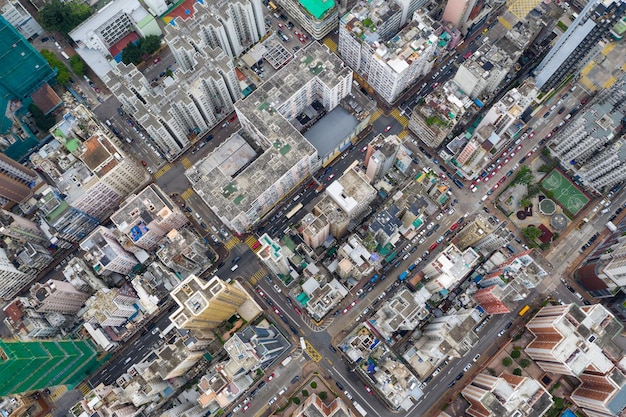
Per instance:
{"type": "Point", "coordinates": [12, 281]}
{"type": "Point", "coordinates": [457, 13]}
{"type": "Point", "coordinates": [30, 366]}
{"type": "Point", "coordinates": [589, 144]}
{"type": "Point", "coordinates": [21, 229]}
{"type": "Point", "coordinates": [16, 182]}
{"type": "Point", "coordinates": [580, 42]}
{"type": "Point", "coordinates": [506, 395]}
{"type": "Point", "coordinates": [314, 406]}
{"type": "Point", "coordinates": [105, 254]}
{"type": "Point", "coordinates": [381, 156]}
{"type": "Point", "coordinates": [241, 193]}
{"type": "Point", "coordinates": [148, 216]}
{"type": "Point", "coordinates": [87, 165]}
{"type": "Point", "coordinates": [316, 17]}
{"type": "Point", "coordinates": [204, 305]}
{"type": "Point", "coordinates": [57, 297]}
{"type": "Point", "coordinates": [232, 26]}
{"type": "Point", "coordinates": [190, 103]}
{"type": "Point", "coordinates": [569, 339]}
{"type": "Point", "coordinates": [20, 18]}
{"type": "Point", "coordinates": [601, 395]}
{"type": "Point", "coordinates": [388, 59]}
{"type": "Point", "coordinates": [111, 307]}
{"type": "Point", "coordinates": [472, 232]}
{"type": "Point", "coordinates": [24, 70]}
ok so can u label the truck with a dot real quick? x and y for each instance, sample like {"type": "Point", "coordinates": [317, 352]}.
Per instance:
{"type": "Point", "coordinates": [403, 276]}
{"type": "Point", "coordinates": [360, 409]}
{"type": "Point", "coordinates": [611, 227]}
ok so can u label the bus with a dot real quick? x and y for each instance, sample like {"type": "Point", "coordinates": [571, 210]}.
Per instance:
{"type": "Point", "coordinates": [272, 6]}
{"type": "Point", "coordinates": [524, 310]}
{"type": "Point", "coordinates": [294, 211]}
{"type": "Point", "coordinates": [352, 165]}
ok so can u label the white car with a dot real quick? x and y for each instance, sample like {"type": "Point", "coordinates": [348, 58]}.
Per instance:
{"type": "Point", "coordinates": [277, 288]}
{"type": "Point", "coordinates": [430, 225]}
{"type": "Point", "coordinates": [405, 257]}
{"type": "Point", "coordinates": [422, 240]}
{"type": "Point", "coordinates": [348, 395]}
{"type": "Point", "coordinates": [439, 216]}
{"type": "Point", "coordinates": [451, 211]}
{"type": "Point", "coordinates": [467, 367]}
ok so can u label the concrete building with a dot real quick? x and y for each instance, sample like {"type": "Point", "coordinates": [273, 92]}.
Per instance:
{"type": "Point", "coordinates": [502, 288]}
{"type": "Point", "coordinates": [145, 218]}
{"type": "Point", "coordinates": [87, 165]}
{"type": "Point", "coordinates": [449, 267]}
{"type": "Point", "coordinates": [582, 40]}
{"type": "Point", "coordinates": [185, 252]}
{"type": "Point", "coordinates": [506, 395]}
{"type": "Point", "coordinates": [16, 182]}
{"type": "Point", "coordinates": [111, 307]}
{"type": "Point", "coordinates": [435, 119]}
{"type": "Point", "coordinates": [21, 229]}
{"type": "Point", "coordinates": [254, 348]}
{"type": "Point", "coordinates": [20, 18]}
{"type": "Point", "coordinates": [315, 230]}
{"type": "Point", "coordinates": [105, 254]}
{"type": "Point", "coordinates": [352, 192]}
{"type": "Point", "coordinates": [318, 18]}
{"type": "Point", "coordinates": [322, 297]}
{"type": "Point", "coordinates": [569, 339]}
{"type": "Point", "coordinates": [314, 406]}
{"type": "Point", "coordinates": [104, 34]}
{"type": "Point", "coordinates": [241, 183]}
{"type": "Point", "coordinates": [402, 312]}
{"type": "Point", "coordinates": [386, 226]}
{"type": "Point", "coordinates": [338, 220]}
{"type": "Point", "coordinates": [457, 13]}
{"type": "Point", "coordinates": [12, 281]}
{"type": "Point", "coordinates": [380, 156]}
{"type": "Point", "coordinates": [601, 395]}
{"type": "Point", "coordinates": [232, 26]}
{"type": "Point", "coordinates": [472, 232]}
{"type": "Point", "coordinates": [272, 254]}
{"type": "Point", "coordinates": [389, 59]}
{"type": "Point", "coordinates": [57, 296]}
{"type": "Point", "coordinates": [449, 335]}
{"type": "Point", "coordinates": [204, 305]}
{"type": "Point", "coordinates": [483, 72]}
{"type": "Point", "coordinates": [186, 105]}
{"type": "Point", "coordinates": [588, 144]}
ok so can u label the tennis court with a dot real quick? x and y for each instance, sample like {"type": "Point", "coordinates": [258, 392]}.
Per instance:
{"type": "Point", "coordinates": [565, 193]}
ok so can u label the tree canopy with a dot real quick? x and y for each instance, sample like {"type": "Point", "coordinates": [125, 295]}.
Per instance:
{"type": "Point", "coordinates": [42, 121]}
{"type": "Point", "coordinates": [77, 64]}
{"type": "Point", "coordinates": [63, 16]}
{"type": "Point", "coordinates": [531, 233]}
{"type": "Point", "coordinates": [134, 52]}
{"type": "Point", "coordinates": [63, 73]}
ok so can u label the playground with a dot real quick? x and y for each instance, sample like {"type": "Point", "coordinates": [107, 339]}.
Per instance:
{"type": "Point", "coordinates": [564, 192]}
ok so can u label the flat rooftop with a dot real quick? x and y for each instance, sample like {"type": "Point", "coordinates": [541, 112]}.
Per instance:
{"type": "Point", "coordinates": [330, 130]}
{"type": "Point", "coordinates": [317, 8]}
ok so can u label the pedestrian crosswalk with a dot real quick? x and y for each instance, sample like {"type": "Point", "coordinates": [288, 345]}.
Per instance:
{"type": "Point", "coordinates": [57, 392]}
{"type": "Point", "coordinates": [400, 117]}
{"type": "Point", "coordinates": [232, 242]}
{"type": "Point", "coordinates": [253, 243]}
{"type": "Point", "coordinates": [331, 44]}
{"type": "Point", "coordinates": [187, 163]}
{"type": "Point", "coordinates": [187, 193]}
{"type": "Point", "coordinates": [84, 388]}
{"type": "Point", "coordinates": [257, 276]}
{"type": "Point", "coordinates": [402, 134]}
{"type": "Point", "coordinates": [376, 115]}
{"type": "Point", "coordinates": [162, 171]}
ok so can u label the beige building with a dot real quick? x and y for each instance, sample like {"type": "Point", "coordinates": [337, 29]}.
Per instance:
{"type": "Point", "coordinates": [11, 279]}
{"type": "Point", "coordinates": [601, 395]}
{"type": "Point", "coordinates": [111, 307]}
{"type": "Point", "coordinates": [472, 232]}
{"type": "Point", "coordinates": [506, 396]}
{"type": "Point", "coordinates": [273, 255]}
{"type": "Point", "coordinates": [338, 220]}
{"type": "Point", "coordinates": [148, 216]}
{"type": "Point", "coordinates": [314, 406]}
{"type": "Point", "coordinates": [105, 254]}
{"type": "Point", "coordinates": [204, 305]}
{"type": "Point", "coordinates": [315, 229]}
{"type": "Point", "coordinates": [352, 192]}
{"type": "Point", "coordinates": [57, 296]}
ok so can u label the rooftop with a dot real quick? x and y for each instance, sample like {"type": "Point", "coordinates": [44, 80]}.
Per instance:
{"type": "Point", "coordinates": [317, 8]}
{"type": "Point", "coordinates": [366, 20]}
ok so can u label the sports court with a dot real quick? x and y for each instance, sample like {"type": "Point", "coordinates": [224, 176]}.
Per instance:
{"type": "Point", "coordinates": [565, 193]}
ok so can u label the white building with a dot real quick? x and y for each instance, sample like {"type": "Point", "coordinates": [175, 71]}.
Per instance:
{"type": "Point", "coordinates": [12, 281]}
{"type": "Point", "coordinates": [239, 185]}
{"type": "Point", "coordinates": [391, 61]}
{"type": "Point", "coordinates": [105, 253]}
{"type": "Point", "coordinates": [317, 18]}
{"type": "Point", "coordinates": [20, 18]}
{"type": "Point", "coordinates": [352, 192]}
{"type": "Point", "coordinates": [449, 267]}
{"type": "Point", "coordinates": [97, 35]}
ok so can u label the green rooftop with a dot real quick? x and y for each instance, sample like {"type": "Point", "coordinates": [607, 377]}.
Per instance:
{"type": "Point", "coordinates": [317, 8]}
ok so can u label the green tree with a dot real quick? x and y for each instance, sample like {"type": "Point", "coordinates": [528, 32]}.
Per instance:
{"type": "Point", "coordinates": [517, 372]}
{"type": "Point", "coordinates": [63, 16]}
{"type": "Point", "coordinates": [77, 64]}
{"type": "Point", "coordinates": [524, 363]}
{"type": "Point", "coordinates": [507, 361]}
{"type": "Point", "coordinates": [531, 233]}
{"type": "Point", "coordinates": [313, 384]}
{"type": "Point", "coordinates": [63, 73]}
{"type": "Point", "coordinates": [131, 54]}
{"type": "Point", "coordinates": [544, 168]}
{"type": "Point", "coordinates": [42, 121]}
{"type": "Point", "coordinates": [524, 202]}
{"type": "Point", "coordinates": [295, 400]}
{"type": "Point", "coordinates": [323, 395]}
{"type": "Point", "coordinates": [150, 44]}
{"type": "Point", "coordinates": [516, 354]}
{"type": "Point", "coordinates": [305, 393]}
{"type": "Point", "coordinates": [524, 176]}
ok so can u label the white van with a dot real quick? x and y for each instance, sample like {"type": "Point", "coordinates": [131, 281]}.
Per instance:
{"type": "Point", "coordinates": [234, 267]}
{"type": "Point", "coordinates": [108, 122]}
{"type": "Point", "coordinates": [484, 197]}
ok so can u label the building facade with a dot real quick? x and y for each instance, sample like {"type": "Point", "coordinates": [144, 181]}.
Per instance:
{"type": "Point", "coordinates": [317, 18]}
{"type": "Point", "coordinates": [57, 296]}
{"type": "Point", "coordinates": [105, 254]}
